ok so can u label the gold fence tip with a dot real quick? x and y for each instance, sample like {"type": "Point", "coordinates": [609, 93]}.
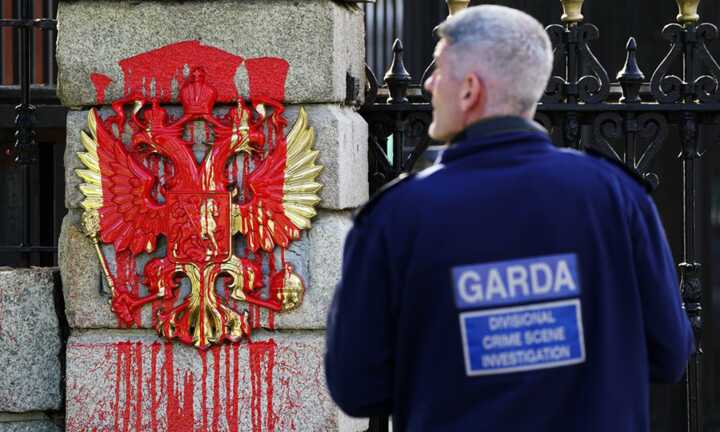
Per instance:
{"type": "Point", "coordinates": [455, 6]}
{"type": "Point", "coordinates": [688, 11]}
{"type": "Point", "coordinates": [572, 11]}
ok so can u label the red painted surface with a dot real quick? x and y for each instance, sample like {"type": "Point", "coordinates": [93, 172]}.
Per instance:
{"type": "Point", "coordinates": [266, 77]}
{"type": "Point", "coordinates": [133, 215]}
{"type": "Point", "coordinates": [164, 66]}
{"type": "Point", "coordinates": [101, 82]}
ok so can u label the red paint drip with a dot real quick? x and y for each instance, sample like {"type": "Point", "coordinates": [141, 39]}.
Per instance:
{"type": "Point", "coordinates": [154, 402]}
{"type": "Point", "coordinates": [180, 411]}
{"type": "Point", "coordinates": [118, 380]}
{"type": "Point", "coordinates": [180, 414]}
{"type": "Point", "coordinates": [123, 378]}
{"type": "Point", "coordinates": [127, 280]}
{"type": "Point", "coordinates": [231, 388]}
{"type": "Point", "coordinates": [262, 363]}
{"type": "Point", "coordinates": [271, 319]}
{"type": "Point", "coordinates": [138, 383]}
{"type": "Point", "coordinates": [165, 65]}
{"type": "Point", "coordinates": [101, 82]}
{"type": "Point", "coordinates": [203, 357]}
{"type": "Point", "coordinates": [216, 388]}
{"type": "Point", "coordinates": [270, 323]}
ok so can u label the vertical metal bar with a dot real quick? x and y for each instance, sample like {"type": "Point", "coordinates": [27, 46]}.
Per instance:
{"type": "Point", "coordinates": [376, 32]}
{"type": "Point", "coordinates": [53, 36]}
{"type": "Point", "coordinates": [6, 74]}
{"type": "Point", "coordinates": [17, 13]}
{"type": "Point", "coordinates": [2, 47]}
{"type": "Point", "coordinates": [690, 284]}
{"type": "Point", "coordinates": [46, 37]}
{"type": "Point", "coordinates": [386, 56]}
{"type": "Point", "coordinates": [395, 20]}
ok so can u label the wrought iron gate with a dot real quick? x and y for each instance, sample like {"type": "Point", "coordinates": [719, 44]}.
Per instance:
{"type": "Point", "coordinates": [630, 118]}
{"type": "Point", "coordinates": [32, 135]}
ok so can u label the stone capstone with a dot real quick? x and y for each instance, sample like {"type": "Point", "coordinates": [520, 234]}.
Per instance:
{"type": "Point", "coordinates": [322, 41]}
{"type": "Point", "coordinates": [30, 341]}
{"type": "Point", "coordinates": [135, 381]}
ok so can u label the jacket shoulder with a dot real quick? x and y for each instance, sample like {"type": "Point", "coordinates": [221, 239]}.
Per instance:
{"type": "Point", "coordinates": [381, 194]}
{"type": "Point", "coordinates": [637, 177]}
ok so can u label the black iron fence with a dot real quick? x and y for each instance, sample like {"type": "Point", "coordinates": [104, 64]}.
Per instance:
{"type": "Point", "coordinates": [629, 116]}
{"type": "Point", "coordinates": [32, 135]}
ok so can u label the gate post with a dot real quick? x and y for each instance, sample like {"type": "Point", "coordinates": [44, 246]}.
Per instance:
{"type": "Point", "coordinates": [124, 376]}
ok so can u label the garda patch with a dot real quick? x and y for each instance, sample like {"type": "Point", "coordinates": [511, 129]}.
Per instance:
{"type": "Point", "coordinates": [517, 281]}
{"type": "Point", "coordinates": [523, 338]}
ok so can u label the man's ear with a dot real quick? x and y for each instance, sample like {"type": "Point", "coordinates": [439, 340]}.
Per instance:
{"type": "Point", "coordinates": [473, 95]}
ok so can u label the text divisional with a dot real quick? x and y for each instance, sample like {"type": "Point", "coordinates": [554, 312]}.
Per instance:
{"type": "Point", "coordinates": [523, 338]}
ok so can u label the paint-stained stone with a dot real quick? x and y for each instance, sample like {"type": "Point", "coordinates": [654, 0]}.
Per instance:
{"type": "Point", "coordinates": [135, 381]}
{"type": "Point", "coordinates": [316, 257]}
{"type": "Point", "coordinates": [29, 341]}
{"type": "Point", "coordinates": [322, 41]}
{"type": "Point", "coordinates": [87, 302]}
{"type": "Point", "coordinates": [322, 252]}
{"type": "Point", "coordinates": [341, 138]}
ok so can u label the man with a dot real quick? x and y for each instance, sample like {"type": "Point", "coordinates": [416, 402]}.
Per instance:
{"type": "Point", "coordinates": [513, 286]}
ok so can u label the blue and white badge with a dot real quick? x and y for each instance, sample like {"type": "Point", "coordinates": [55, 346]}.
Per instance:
{"type": "Point", "coordinates": [523, 338]}
{"type": "Point", "coordinates": [517, 281]}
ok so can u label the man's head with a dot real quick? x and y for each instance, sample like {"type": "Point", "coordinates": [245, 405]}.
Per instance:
{"type": "Point", "coordinates": [490, 61]}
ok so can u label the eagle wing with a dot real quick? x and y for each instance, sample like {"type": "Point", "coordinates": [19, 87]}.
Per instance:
{"type": "Point", "coordinates": [118, 188]}
{"type": "Point", "coordinates": [284, 192]}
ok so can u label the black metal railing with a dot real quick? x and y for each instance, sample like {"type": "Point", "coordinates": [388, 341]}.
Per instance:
{"type": "Point", "coordinates": [629, 118]}
{"type": "Point", "coordinates": [32, 144]}
{"type": "Point", "coordinates": [383, 24]}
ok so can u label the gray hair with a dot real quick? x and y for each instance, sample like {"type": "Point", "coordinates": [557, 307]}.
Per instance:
{"type": "Point", "coordinates": [507, 48]}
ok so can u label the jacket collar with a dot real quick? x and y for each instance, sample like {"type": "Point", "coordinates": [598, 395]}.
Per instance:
{"type": "Point", "coordinates": [492, 131]}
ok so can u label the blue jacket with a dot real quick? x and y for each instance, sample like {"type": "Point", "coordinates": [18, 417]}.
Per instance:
{"type": "Point", "coordinates": [513, 286]}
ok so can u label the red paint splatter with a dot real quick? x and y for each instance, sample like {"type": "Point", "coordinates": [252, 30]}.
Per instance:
{"type": "Point", "coordinates": [165, 65]}
{"type": "Point", "coordinates": [262, 363]}
{"type": "Point", "coordinates": [216, 387]}
{"type": "Point", "coordinates": [101, 82]}
{"type": "Point", "coordinates": [179, 397]}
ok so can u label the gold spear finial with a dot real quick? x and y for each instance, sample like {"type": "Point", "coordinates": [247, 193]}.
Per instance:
{"type": "Point", "coordinates": [455, 6]}
{"type": "Point", "coordinates": [572, 11]}
{"type": "Point", "coordinates": [688, 11]}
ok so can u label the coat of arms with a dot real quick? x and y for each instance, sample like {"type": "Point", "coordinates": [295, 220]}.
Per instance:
{"type": "Point", "coordinates": [206, 209]}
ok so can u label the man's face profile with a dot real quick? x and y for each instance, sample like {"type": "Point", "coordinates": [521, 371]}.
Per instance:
{"type": "Point", "coordinates": [446, 93]}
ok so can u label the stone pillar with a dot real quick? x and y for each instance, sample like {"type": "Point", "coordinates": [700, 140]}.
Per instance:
{"type": "Point", "coordinates": [130, 378]}
{"type": "Point", "coordinates": [30, 350]}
